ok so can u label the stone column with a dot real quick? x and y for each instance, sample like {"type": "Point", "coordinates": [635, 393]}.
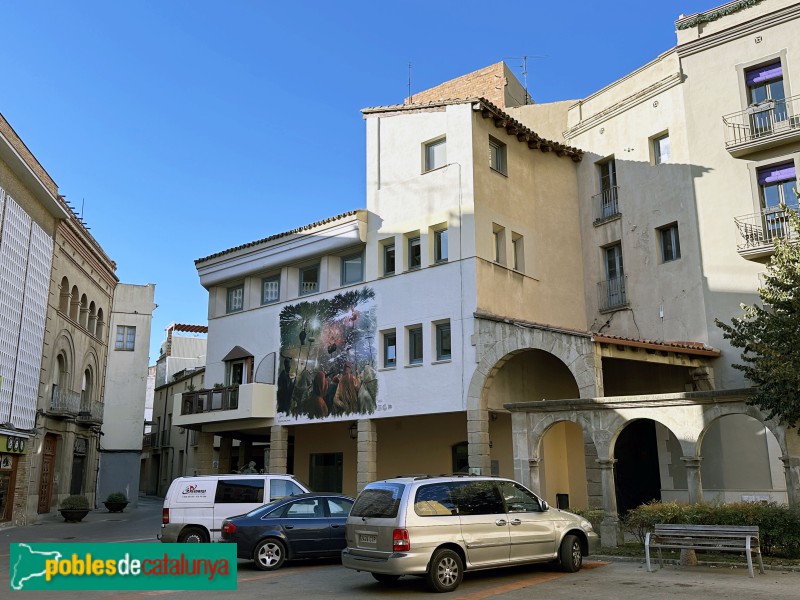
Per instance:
{"type": "Point", "coordinates": [205, 453]}
{"type": "Point", "coordinates": [225, 446]}
{"type": "Point", "coordinates": [534, 477]}
{"type": "Point", "coordinates": [610, 533]}
{"type": "Point", "coordinates": [367, 453]}
{"type": "Point", "coordinates": [693, 480]}
{"type": "Point", "coordinates": [520, 449]}
{"type": "Point", "coordinates": [792, 474]}
{"type": "Point", "coordinates": [478, 440]}
{"type": "Point", "coordinates": [278, 448]}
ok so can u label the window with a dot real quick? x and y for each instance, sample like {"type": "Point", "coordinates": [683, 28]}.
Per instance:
{"type": "Point", "coordinates": [661, 151]}
{"type": "Point", "coordinates": [282, 488]}
{"type": "Point", "coordinates": [775, 184]}
{"type": "Point", "coordinates": [389, 349]}
{"type": "Point", "coordinates": [614, 294]}
{"type": "Point", "coordinates": [499, 239]}
{"type": "Point", "coordinates": [305, 509]}
{"type": "Point", "coordinates": [126, 338]}
{"type": "Point", "coordinates": [414, 253]}
{"type": "Point", "coordinates": [309, 280]}
{"type": "Point", "coordinates": [497, 155]}
{"type": "Point", "coordinates": [234, 491]}
{"type": "Point", "coordinates": [767, 97]}
{"type": "Point", "coordinates": [270, 289]}
{"type": "Point", "coordinates": [608, 189]}
{"type": "Point", "coordinates": [440, 246]}
{"type": "Point", "coordinates": [435, 154]}
{"type": "Point", "coordinates": [518, 499]}
{"type": "Point", "coordinates": [388, 259]}
{"type": "Point", "coordinates": [670, 243]}
{"type": "Point", "coordinates": [235, 301]}
{"type": "Point", "coordinates": [339, 507]}
{"type": "Point", "coordinates": [518, 246]}
{"type": "Point", "coordinates": [237, 372]}
{"type": "Point", "coordinates": [353, 268]}
{"type": "Point", "coordinates": [443, 348]}
{"type": "Point", "coordinates": [415, 345]}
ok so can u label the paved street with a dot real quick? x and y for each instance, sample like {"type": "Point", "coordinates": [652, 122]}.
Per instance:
{"type": "Point", "coordinates": [328, 579]}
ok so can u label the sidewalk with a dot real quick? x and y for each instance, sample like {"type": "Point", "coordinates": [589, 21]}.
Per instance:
{"type": "Point", "coordinates": [140, 524]}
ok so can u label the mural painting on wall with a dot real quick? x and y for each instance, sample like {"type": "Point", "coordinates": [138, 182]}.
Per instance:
{"type": "Point", "coordinates": [327, 362]}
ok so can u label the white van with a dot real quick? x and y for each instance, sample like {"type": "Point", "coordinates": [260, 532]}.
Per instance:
{"type": "Point", "coordinates": [195, 507]}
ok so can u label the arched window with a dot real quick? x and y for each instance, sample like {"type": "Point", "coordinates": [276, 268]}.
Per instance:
{"type": "Point", "coordinates": [74, 303]}
{"type": "Point", "coordinates": [64, 296]}
{"type": "Point", "coordinates": [87, 383]}
{"type": "Point", "coordinates": [92, 323]}
{"type": "Point", "coordinates": [99, 330]}
{"type": "Point", "coordinates": [84, 311]}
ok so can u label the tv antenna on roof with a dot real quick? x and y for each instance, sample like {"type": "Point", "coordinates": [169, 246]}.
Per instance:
{"type": "Point", "coordinates": [410, 99]}
{"type": "Point", "coordinates": [524, 58]}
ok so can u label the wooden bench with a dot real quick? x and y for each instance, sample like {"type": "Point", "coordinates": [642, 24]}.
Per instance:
{"type": "Point", "coordinates": [722, 538]}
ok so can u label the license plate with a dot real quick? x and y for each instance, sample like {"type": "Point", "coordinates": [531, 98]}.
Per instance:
{"type": "Point", "coordinates": [368, 539]}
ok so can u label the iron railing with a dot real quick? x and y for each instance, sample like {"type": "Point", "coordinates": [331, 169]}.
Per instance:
{"type": "Point", "coordinates": [761, 229]}
{"type": "Point", "coordinates": [763, 120]}
{"type": "Point", "coordinates": [612, 293]}
{"type": "Point", "coordinates": [150, 440]}
{"type": "Point", "coordinates": [64, 402]}
{"type": "Point", "coordinates": [202, 401]}
{"type": "Point", "coordinates": [605, 204]}
{"type": "Point", "coordinates": [91, 412]}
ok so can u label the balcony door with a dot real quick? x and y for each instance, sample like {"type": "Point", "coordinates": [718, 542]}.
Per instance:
{"type": "Point", "coordinates": [775, 187]}
{"type": "Point", "coordinates": [608, 188]}
{"type": "Point", "coordinates": [767, 98]}
{"type": "Point", "coordinates": [615, 276]}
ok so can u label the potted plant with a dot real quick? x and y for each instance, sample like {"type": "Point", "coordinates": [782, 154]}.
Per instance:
{"type": "Point", "coordinates": [116, 502]}
{"type": "Point", "coordinates": [74, 508]}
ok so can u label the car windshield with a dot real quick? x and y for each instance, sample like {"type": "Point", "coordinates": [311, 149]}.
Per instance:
{"type": "Point", "coordinates": [263, 510]}
{"type": "Point", "coordinates": [379, 500]}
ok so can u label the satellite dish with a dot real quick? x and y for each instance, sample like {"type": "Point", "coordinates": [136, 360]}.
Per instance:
{"type": "Point", "coordinates": [265, 371]}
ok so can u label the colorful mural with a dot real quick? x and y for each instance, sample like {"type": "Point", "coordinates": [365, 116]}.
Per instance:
{"type": "Point", "coordinates": [328, 357]}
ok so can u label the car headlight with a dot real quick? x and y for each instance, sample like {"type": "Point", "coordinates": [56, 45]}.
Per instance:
{"type": "Point", "coordinates": [585, 525]}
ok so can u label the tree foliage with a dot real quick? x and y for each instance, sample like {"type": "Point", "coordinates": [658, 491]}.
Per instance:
{"type": "Point", "coordinates": [769, 334]}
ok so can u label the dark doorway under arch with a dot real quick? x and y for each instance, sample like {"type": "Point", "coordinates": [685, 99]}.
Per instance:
{"type": "Point", "coordinates": [636, 473]}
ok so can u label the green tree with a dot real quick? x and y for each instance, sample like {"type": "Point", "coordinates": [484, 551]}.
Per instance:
{"type": "Point", "coordinates": [769, 335]}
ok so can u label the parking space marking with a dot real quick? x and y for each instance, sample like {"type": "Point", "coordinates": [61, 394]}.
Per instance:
{"type": "Point", "coordinates": [533, 579]}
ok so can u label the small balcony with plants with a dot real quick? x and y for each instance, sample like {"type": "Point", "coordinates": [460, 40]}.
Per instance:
{"type": "Point", "coordinates": [764, 125]}
{"type": "Point", "coordinates": [232, 403]}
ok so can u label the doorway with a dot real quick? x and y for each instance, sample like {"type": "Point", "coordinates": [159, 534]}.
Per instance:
{"type": "Point", "coordinates": [325, 471]}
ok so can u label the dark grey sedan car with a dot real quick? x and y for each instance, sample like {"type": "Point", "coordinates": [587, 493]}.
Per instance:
{"type": "Point", "coordinates": [304, 526]}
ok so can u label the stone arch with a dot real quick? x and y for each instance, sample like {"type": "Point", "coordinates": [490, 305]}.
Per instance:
{"type": "Point", "coordinates": [542, 425]}
{"type": "Point", "coordinates": [498, 343]}
{"type": "Point", "coordinates": [84, 311]}
{"type": "Point", "coordinates": [90, 377]}
{"type": "Point", "coordinates": [715, 413]}
{"type": "Point", "coordinates": [74, 303]}
{"type": "Point", "coordinates": [100, 328]}
{"type": "Point", "coordinates": [64, 296]}
{"type": "Point", "coordinates": [92, 322]}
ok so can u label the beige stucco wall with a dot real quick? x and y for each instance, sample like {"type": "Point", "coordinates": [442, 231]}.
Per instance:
{"type": "Point", "coordinates": [537, 200]}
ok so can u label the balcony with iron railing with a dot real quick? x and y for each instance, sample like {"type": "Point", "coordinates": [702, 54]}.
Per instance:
{"type": "Point", "coordinates": [764, 125]}
{"type": "Point", "coordinates": [150, 440]}
{"type": "Point", "coordinates": [758, 231]}
{"type": "Point", "coordinates": [606, 205]}
{"type": "Point", "coordinates": [65, 403]}
{"type": "Point", "coordinates": [221, 404]}
{"type": "Point", "coordinates": [612, 294]}
{"type": "Point", "coordinates": [91, 412]}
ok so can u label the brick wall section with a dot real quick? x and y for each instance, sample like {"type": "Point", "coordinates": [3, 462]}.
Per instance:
{"type": "Point", "coordinates": [34, 165]}
{"type": "Point", "coordinates": [489, 83]}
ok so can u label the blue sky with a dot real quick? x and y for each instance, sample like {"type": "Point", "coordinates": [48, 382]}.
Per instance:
{"type": "Point", "coordinates": [184, 127]}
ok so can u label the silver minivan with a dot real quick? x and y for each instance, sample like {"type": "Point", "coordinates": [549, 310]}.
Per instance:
{"type": "Point", "coordinates": [438, 527]}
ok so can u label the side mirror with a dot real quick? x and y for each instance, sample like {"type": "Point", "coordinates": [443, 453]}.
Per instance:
{"type": "Point", "coordinates": [545, 506]}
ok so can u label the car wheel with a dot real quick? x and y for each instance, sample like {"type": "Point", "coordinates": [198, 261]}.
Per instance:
{"type": "Point", "coordinates": [269, 555]}
{"type": "Point", "coordinates": [569, 555]}
{"type": "Point", "coordinates": [446, 571]}
{"type": "Point", "coordinates": [193, 535]}
{"type": "Point", "coordinates": [384, 579]}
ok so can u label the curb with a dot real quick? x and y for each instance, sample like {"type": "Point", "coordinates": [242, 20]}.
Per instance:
{"type": "Point", "coordinates": [700, 563]}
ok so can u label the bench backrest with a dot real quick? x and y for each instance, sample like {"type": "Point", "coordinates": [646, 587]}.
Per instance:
{"type": "Point", "coordinates": [706, 530]}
